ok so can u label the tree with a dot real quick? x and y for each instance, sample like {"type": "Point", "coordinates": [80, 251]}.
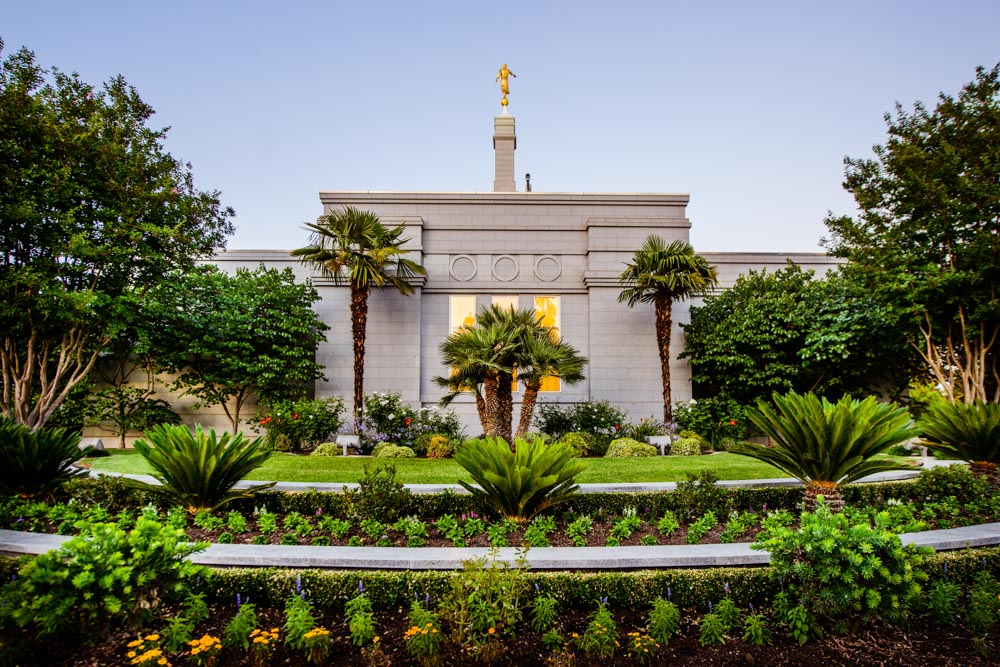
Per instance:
{"type": "Point", "coordinates": [353, 247]}
{"type": "Point", "coordinates": [229, 338]}
{"type": "Point", "coordinates": [544, 356]}
{"type": "Point", "coordinates": [786, 330]}
{"type": "Point", "coordinates": [93, 213]}
{"type": "Point", "coordinates": [661, 274]}
{"type": "Point", "coordinates": [926, 239]}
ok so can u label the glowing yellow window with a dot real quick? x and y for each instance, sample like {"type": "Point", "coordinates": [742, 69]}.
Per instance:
{"type": "Point", "coordinates": [547, 308]}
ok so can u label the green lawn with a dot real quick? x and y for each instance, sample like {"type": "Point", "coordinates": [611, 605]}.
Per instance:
{"type": "Point", "coordinates": [292, 468]}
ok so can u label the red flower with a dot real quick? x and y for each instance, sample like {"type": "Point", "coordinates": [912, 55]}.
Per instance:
{"type": "Point", "coordinates": [408, 421]}
{"type": "Point", "coordinates": [295, 416]}
{"type": "Point", "coordinates": [618, 427]}
{"type": "Point", "coordinates": [732, 422]}
{"type": "Point", "coordinates": [264, 421]}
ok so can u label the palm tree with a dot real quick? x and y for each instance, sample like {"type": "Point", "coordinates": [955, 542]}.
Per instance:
{"type": "Point", "coordinates": [544, 357]}
{"type": "Point", "coordinates": [353, 247]}
{"type": "Point", "coordinates": [661, 274]}
{"type": "Point", "coordinates": [825, 445]}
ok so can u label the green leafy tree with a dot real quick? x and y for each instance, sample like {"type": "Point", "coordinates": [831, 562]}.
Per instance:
{"type": "Point", "coordinates": [544, 356]}
{"type": "Point", "coordinates": [661, 274]}
{"type": "Point", "coordinates": [93, 212]}
{"type": "Point", "coordinates": [925, 240]}
{"type": "Point", "coordinates": [354, 248]}
{"type": "Point", "coordinates": [781, 330]}
{"type": "Point", "coordinates": [231, 337]}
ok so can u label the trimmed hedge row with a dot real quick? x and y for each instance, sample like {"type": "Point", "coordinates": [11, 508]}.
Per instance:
{"type": "Point", "coordinates": [575, 590]}
{"type": "Point", "coordinates": [115, 495]}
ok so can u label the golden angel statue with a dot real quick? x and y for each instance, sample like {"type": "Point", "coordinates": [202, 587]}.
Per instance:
{"type": "Point", "coordinates": [504, 83]}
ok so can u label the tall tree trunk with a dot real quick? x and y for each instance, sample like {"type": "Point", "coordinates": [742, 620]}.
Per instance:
{"type": "Point", "coordinates": [528, 407]}
{"type": "Point", "coordinates": [664, 306]}
{"type": "Point", "coordinates": [505, 408]}
{"type": "Point", "coordinates": [359, 321]}
{"type": "Point", "coordinates": [490, 383]}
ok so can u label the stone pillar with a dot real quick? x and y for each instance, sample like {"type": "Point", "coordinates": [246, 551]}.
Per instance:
{"type": "Point", "coordinates": [504, 143]}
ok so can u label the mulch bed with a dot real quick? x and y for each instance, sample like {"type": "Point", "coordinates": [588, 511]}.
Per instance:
{"type": "Point", "coordinates": [920, 644]}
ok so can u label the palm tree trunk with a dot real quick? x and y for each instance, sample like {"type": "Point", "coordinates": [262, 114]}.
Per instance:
{"type": "Point", "coordinates": [505, 408]}
{"type": "Point", "coordinates": [481, 410]}
{"type": "Point", "coordinates": [490, 383]}
{"type": "Point", "coordinates": [664, 307]}
{"type": "Point", "coordinates": [359, 322]}
{"type": "Point", "coordinates": [528, 408]}
{"type": "Point", "coordinates": [830, 492]}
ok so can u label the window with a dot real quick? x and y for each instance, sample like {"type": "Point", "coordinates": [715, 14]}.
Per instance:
{"type": "Point", "coordinates": [461, 312]}
{"type": "Point", "coordinates": [547, 308]}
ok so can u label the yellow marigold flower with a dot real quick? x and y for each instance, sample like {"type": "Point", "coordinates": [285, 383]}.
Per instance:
{"type": "Point", "coordinates": [153, 638]}
{"type": "Point", "coordinates": [491, 631]}
{"type": "Point", "coordinates": [130, 654]}
{"type": "Point", "coordinates": [376, 640]}
{"type": "Point", "coordinates": [163, 661]}
{"type": "Point", "coordinates": [135, 643]}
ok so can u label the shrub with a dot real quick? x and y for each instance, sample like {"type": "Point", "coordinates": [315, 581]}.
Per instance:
{"type": "Point", "coordinates": [394, 452]}
{"type": "Point", "coordinates": [199, 471]}
{"type": "Point", "coordinates": [942, 482]}
{"type": "Point", "coordinates": [967, 431]}
{"type": "Point", "coordinates": [439, 447]}
{"type": "Point", "coordinates": [386, 417]}
{"type": "Point", "coordinates": [823, 444]}
{"type": "Point", "coordinates": [582, 444]}
{"type": "Point", "coordinates": [328, 449]}
{"type": "Point", "coordinates": [103, 577]}
{"type": "Point", "coordinates": [718, 420]}
{"type": "Point", "coordinates": [522, 483]}
{"type": "Point", "coordinates": [298, 425]}
{"type": "Point", "coordinates": [379, 494]}
{"type": "Point", "coordinates": [625, 448]}
{"type": "Point", "coordinates": [686, 447]}
{"type": "Point", "coordinates": [598, 418]}
{"type": "Point", "coordinates": [379, 446]}
{"type": "Point", "coordinates": [837, 570]}
{"type": "Point", "coordinates": [34, 463]}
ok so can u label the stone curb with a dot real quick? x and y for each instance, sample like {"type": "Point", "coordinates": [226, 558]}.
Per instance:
{"type": "Point", "coordinates": [16, 543]}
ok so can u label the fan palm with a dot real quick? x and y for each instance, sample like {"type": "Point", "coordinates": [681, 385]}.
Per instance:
{"type": "Point", "coordinates": [661, 274]}
{"type": "Point", "coordinates": [353, 247]}
{"type": "Point", "coordinates": [545, 357]}
{"type": "Point", "coordinates": [825, 445]}
{"type": "Point", "coordinates": [969, 431]}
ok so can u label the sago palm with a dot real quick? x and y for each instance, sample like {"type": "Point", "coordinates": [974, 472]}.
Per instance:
{"type": "Point", "coordinates": [353, 247]}
{"type": "Point", "coordinates": [825, 445]}
{"type": "Point", "coordinates": [969, 431]}
{"type": "Point", "coordinates": [661, 274]}
{"type": "Point", "coordinates": [519, 484]}
{"type": "Point", "coordinates": [198, 471]}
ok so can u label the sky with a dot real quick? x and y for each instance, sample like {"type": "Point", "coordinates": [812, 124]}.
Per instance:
{"type": "Point", "coordinates": [749, 107]}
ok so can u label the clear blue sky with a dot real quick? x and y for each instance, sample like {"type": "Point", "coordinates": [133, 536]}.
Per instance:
{"type": "Point", "coordinates": [748, 106]}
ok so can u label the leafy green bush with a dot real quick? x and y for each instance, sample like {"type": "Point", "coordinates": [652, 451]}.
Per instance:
{"type": "Point", "coordinates": [717, 420]}
{"type": "Point", "coordinates": [379, 494]}
{"type": "Point", "coordinates": [328, 449]}
{"type": "Point", "coordinates": [34, 463]}
{"type": "Point", "coordinates": [686, 447]}
{"type": "Point", "coordinates": [840, 570]}
{"type": "Point", "coordinates": [598, 418]}
{"type": "Point", "coordinates": [439, 447]}
{"type": "Point", "coordinates": [522, 483]}
{"type": "Point", "coordinates": [297, 425]}
{"type": "Point", "coordinates": [582, 444]}
{"type": "Point", "coordinates": [823, 444]}
{"type": "Point", "coordinates": [101, 578]}
{"type": "Point", "coordinates": [624, 448]}
{"type": "Point", "coordinates": [199, 471]}
{"type": "Point", "coordinates": [967, 431]}
{"type": "Point", "coordinates": [387, 418]}
{"type": "Point", "coordinates": [390, 451]}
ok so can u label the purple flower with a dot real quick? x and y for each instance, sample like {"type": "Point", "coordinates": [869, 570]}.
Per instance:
{"type": "Point", "coordinates": [319, 511]}
{"type": "Point", "coordinates": [361, 586]}
{"type": "Point", "coordinates": [239, 601]}
{"type": "Point", "coordinates": [710, 606]}
{"type": "Point", "coordinates": [298, 583]}
{"type": "Point", "coordinates": [668, 594]}
{"type": "Point", "coordinates": [725, 587]}
{"type": "Point", "coordinates": [302, 595]}
{"type": "Point", "coordinates": [427, 598]}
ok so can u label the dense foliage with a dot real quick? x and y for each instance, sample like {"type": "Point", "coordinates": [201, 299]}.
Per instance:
{"type": "Point", "coordinates": [968, 431]}
{"type": "Point", "coordinates": [303, 424]}
{"type": "Point", "coordinates": [93, 213]}
{"type": "Point", "coordinates": [786, 330]}
{"type": "Point", "coordinates": [199, 471]}
{"type": "Point", "coordinates": [925, 242]}
{"type": "Point", "coordinates": [229, 338]}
